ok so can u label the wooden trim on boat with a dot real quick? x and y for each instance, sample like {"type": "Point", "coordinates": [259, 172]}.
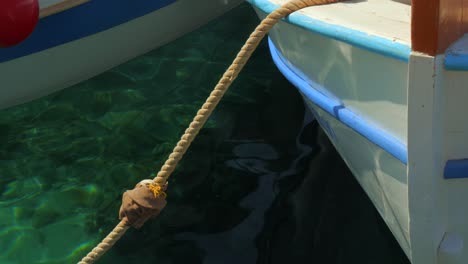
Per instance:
{"type": "Point", "coordinates": [424, 25]}
{"type": "Point", "coordinates": [437, 23]}
{"type": "Point", "coordinates": [60, 7]}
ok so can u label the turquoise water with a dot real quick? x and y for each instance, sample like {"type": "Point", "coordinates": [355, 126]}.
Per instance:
{"type": "Point", "coordinates": [257, 186]}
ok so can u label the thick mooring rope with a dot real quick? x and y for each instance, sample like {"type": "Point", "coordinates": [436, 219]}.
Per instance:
{"type": "Point", "coordinates": [202, 115]}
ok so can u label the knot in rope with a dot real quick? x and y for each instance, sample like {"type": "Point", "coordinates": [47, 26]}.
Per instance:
{"type": "Point", "coordinates": [158, 190]}
{"type": "Point", "coordinates": [143, 202]}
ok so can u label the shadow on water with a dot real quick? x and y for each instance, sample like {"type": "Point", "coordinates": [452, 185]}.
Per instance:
{"type": "Point", "coordinates": [323, 215]}
{"type": "Point", "coordinates": [257, 186]}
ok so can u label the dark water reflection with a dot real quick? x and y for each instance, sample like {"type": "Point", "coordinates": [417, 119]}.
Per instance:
{"type": "Point", "coordinates": [257, 185]}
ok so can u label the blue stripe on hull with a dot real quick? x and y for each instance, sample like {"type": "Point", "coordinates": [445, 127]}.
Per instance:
{"type": "Point", "coordinates": [456, 56]}
{"type": "Point", "coordinates": [458, 62]}
{"type": "Point", "coordinates": [356, 38]}
{"type": "Point", "coordinates": [82, 21]}
{"type": "Point", "coordinates": [336, 109]}
{"type": "Point", "coordinates": [456, 169]}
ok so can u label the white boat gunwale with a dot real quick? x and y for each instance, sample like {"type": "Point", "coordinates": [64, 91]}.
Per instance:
{"type": "Point", "coordinates": [378, 44]}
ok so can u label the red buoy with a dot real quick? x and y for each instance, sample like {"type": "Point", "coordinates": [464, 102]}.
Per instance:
{"type": "Point", "coordinates": [17, 20]}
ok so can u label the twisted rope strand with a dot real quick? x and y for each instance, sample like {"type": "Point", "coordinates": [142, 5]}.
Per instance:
{"type": "Point", "coordinates": [106, 243]}
{"type": "Point", "coordinates": [226, 80]}
{"type": "Point", "coordinates": [205, 111]}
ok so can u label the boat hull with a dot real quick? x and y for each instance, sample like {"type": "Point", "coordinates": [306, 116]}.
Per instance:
{"type": "Point", "coordinates": [397, 116]}
{"type": "Point", "coordinates": [358, 94]}
{"type": "Point", "coordinates": [381, 174]}
{"type": "Point", "coordinates": [51, 69]}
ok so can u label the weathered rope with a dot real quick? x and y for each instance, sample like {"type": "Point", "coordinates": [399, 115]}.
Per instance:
{"type": "Point", "coordinates": [202, 115]}
{"type": "Point", "coordinates": [106, 243]}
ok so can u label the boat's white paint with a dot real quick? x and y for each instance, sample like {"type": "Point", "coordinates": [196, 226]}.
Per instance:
{"type": "Point", "coordinates": [437, 132]}
{"type": "Point", "coordinates": [382, 176]}
{"type": "Point", "coordinates": [451, 117]}
{"type": "Point", "coordinates": [42, 73]}
{"type": "Point", "coordinates": [384, 18]}
{"type": "Point", "coordinates": [424, 174]}
{"type": "Point", "coordinates": [451, 249]}
{"type": "Point", "coordinates": [455, 97]}
{"type": "Point", "coordinates": [372, 85]}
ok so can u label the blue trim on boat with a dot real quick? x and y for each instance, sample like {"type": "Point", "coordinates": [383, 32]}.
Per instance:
{"type": "Point", "coordinates": [335, 108]}
{"type": "Point", "coordinates": [456, 59]}
{"type": "Point", "coordinates": [456, 56]}
{"type": "Point", "coordinates": [456, 62]}
{"type": "Point", "coordinates": [456, 169]}
{"type": "Point", "coordinates": [81, 21]}
{"type": "Point", "coordinates": [357, 38]}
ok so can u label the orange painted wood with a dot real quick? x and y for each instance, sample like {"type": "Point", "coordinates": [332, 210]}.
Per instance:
{"type": "Point", "coordinates": [435, 24]}
{"type": "Point", "coordinates": [424, 25]}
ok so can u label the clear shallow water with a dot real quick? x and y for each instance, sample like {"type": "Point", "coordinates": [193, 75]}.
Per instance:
{"type": "Point", "coordinates": [257, 186]}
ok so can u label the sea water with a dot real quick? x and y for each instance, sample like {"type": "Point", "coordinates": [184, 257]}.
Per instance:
{"type": "Point", "coordinates": [260, 184]}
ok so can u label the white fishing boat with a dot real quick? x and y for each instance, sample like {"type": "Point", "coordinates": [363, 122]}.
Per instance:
{"type": "Point", "coordinates": [387, 81]}
{"type": "Point", "coordinates": [78, 39]}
